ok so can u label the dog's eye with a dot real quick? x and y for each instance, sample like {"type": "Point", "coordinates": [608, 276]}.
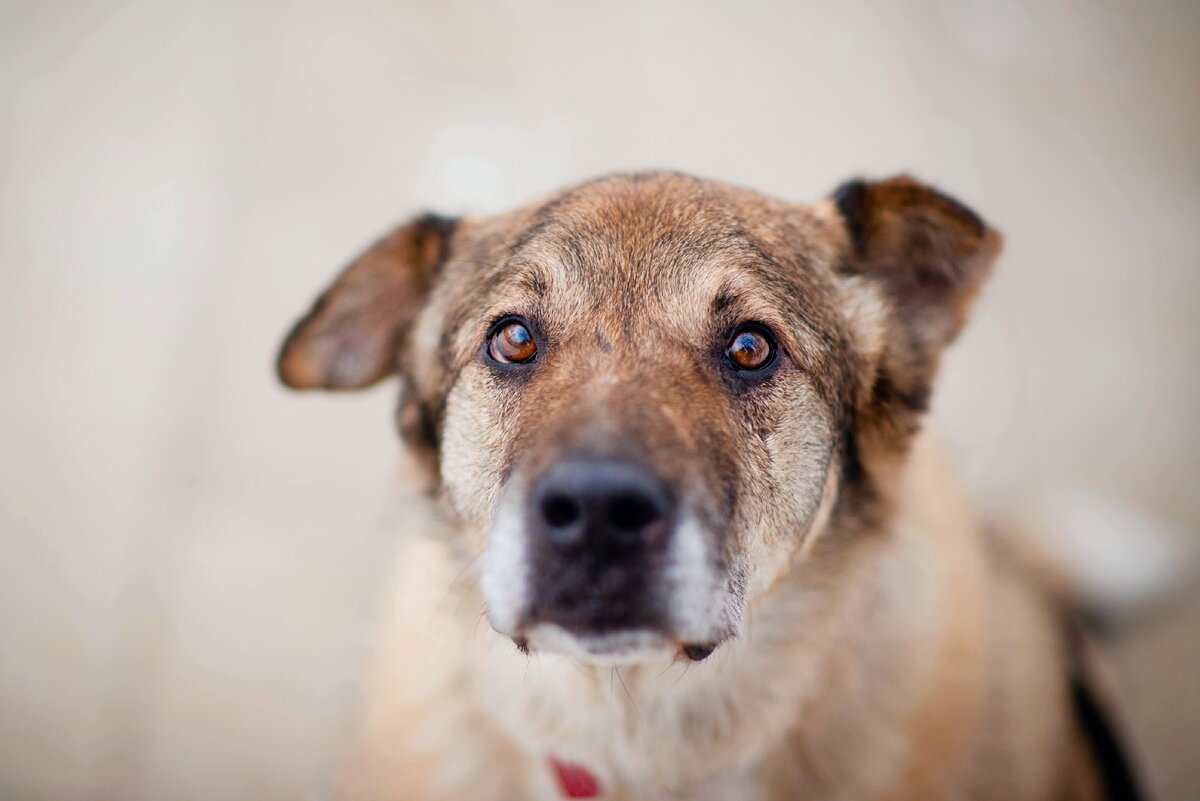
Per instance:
{"type": "Point", "coordinates": [750, 349]}
{"type": "Point", "coordinates": [511, 343]}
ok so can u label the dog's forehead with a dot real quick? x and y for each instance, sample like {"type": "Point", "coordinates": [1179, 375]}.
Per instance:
{"type": "Point", "coordinates": [640, 226]}
{"type": "Point", "coordinates": [633, 242]}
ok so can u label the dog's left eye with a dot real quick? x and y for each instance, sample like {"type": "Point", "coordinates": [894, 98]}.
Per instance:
{"type": "Point", "coordinates": [750, 349]}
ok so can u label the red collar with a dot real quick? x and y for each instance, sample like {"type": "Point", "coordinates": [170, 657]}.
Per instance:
{"type": "Point", "coordinates": [574, 781]}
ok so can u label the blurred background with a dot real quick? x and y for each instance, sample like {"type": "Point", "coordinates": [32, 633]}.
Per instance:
{"type": "Point", "coordinates": [192, 560]}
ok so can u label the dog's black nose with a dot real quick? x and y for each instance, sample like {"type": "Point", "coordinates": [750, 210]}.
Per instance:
{"type": "Point", "coordinates": [607, 507]}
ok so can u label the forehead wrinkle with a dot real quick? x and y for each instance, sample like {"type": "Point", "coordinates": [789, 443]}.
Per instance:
{"type": "Point", "coordinates": [560, 251]}
{"type": "Point", "coordinates": [625, 235]}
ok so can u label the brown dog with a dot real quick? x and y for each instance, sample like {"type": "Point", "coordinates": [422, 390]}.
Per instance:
{"type": "Point", "coordinates": [673, 428]}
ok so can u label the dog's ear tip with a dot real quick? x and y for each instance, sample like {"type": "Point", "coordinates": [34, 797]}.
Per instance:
{"type": "Point", "coordinates": [993, 241]}
{"type": "Point", "coordinates": [292, 369]}
{"type": "Point", "coordinates": [303, 363]}
{"type": "Point", "coordinates": [311, 362]}
{"type": "Point", "coordinates": [991, 245]}
{"type": "Point", "coordinates": [295, 366]}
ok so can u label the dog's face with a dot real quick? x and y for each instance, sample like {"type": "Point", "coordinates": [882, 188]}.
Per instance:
{"type": "Point", "coordinates": [645, 397]}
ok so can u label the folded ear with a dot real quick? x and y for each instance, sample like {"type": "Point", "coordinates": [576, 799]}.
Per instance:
{"type": "Point", "coordinates": [926, 256]}
{"type": "Point", "coordinates": [929, 253]}
{"type": "Point", "coordinates": [353, 335]}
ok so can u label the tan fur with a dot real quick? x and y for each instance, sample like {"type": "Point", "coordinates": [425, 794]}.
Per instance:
{"type": "Point", "coordinates": [872, 645]}
{"type": "Point", "coordinates": [929, 675]}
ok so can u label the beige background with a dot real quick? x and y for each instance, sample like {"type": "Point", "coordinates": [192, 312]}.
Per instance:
{"type": "Point", "coordinates": [191, 559]}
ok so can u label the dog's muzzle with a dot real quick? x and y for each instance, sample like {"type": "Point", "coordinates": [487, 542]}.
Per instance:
{"type": "Point", "coordinates": [596, 556]}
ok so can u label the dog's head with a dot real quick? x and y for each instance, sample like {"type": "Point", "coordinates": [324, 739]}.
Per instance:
{"type": "Point", "coordinates": [645, 397]}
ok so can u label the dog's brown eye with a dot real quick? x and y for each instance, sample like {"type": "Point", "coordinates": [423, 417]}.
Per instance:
{"type": "Point", "coordinates": [750, 349]}
{"type": "Point", "coordinates": [511, 343]}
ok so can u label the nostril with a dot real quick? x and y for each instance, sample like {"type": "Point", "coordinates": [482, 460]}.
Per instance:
{"type": "Point", "coordinates": [631, 512]}
{"type": "Point", "coordinates": [611, 509]}
{"type": "Point", "coordinates": [560, 511]}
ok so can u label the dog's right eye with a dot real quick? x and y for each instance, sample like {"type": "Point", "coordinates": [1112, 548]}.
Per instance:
{"type": "Point", "coordinates": [512, 343]}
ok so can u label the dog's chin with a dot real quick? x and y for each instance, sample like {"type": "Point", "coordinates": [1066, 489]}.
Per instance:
{"type": "Point", "coordinates": [608, 649]}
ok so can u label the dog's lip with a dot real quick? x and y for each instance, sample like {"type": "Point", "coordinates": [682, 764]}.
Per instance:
{"type": "Point", "coordinates": [620, 647]}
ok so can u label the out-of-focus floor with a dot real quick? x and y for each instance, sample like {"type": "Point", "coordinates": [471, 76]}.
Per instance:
{"type": "Point", "coordinates": [191, 560]}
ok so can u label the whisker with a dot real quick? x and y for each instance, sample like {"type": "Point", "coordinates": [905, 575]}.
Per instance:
{"type": "Point", "coordinates": [687, 666]}
{"type": "Point", "coordinates": [628, 694]}
{"type": "Point", "coordinates": [478, 620]}
{"type": "Point", "coordinates": [454, 584]}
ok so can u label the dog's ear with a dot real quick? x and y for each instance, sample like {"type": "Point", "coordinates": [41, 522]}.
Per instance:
{"type": "Point", "coordinates": [353, 335]}
{"type": "Point", "coordinates": [927, 255]}
{"type": "Point", "coordinates": [929, 252]}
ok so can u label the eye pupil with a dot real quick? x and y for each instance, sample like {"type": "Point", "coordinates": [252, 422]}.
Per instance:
{"type": "Point", "coordinates": [749, 350]}
{"type": "Point", "coordinates": [511, 343]}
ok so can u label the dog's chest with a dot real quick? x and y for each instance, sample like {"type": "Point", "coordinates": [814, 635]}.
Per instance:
{"type": "Point", "coordinates": [660, 732]}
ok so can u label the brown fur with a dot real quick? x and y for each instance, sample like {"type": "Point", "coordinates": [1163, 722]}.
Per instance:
{"type": "Point", "coordinates": [872, 646]}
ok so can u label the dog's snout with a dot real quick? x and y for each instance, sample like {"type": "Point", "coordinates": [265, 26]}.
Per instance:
{"type": "Point", "coordinates": [608, 507]}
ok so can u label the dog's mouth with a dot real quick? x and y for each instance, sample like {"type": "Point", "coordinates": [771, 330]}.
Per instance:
{"type": "Point", "coordinates": [654, 608]}
{"type": "Point", "coordinates": [615, 649]}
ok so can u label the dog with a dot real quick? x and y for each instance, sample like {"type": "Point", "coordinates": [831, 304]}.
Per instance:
{"type": "Point", "coordinates": [671, 434]}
